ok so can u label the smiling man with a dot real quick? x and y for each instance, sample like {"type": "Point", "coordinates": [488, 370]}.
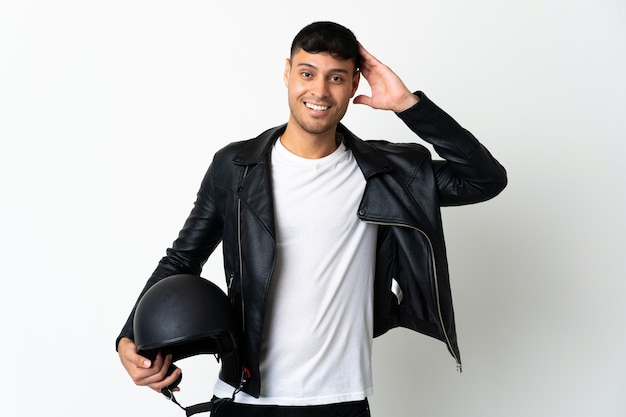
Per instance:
{"type": "Point", "coordinates": [328, 240]}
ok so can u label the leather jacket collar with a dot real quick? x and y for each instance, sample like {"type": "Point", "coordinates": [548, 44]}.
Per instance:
{"type": "Point", "coordinates": [370, 161]}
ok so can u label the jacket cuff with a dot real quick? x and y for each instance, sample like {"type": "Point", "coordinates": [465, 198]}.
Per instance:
{"type": "Point", "coordinates": [416, 106]}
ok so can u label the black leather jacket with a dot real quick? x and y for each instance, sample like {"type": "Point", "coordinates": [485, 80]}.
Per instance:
{"type": "Point", "coordinates": [404, 192]}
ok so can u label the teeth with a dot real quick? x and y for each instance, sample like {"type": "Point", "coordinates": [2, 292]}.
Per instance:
{"type": "Point", "coordinates": [316, 107]}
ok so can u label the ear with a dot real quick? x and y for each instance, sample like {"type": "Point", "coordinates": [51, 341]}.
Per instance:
{"type": "Point", "coordinates": [355, 82]}
{"type": "Point", "coordinates": [287, 71]}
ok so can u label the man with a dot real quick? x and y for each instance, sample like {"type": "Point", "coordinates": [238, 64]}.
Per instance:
{"type": "Point", "coordinates": [328, 240]}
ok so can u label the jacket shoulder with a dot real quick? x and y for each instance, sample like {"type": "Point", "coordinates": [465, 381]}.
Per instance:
{"type": "Point", "coordinates": [249, 151]}
{"type": "Point", "coordinates": [406, 155]}
{"type": "Point", "coordinates": [401, 148]}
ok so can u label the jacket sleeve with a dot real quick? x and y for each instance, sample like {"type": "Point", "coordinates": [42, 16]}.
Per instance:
{"type": "Point", "coordinates": [198, 238]}
{"type": "Point", "coordinates": [468, 173]}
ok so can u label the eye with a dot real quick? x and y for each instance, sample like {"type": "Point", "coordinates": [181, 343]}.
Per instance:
{"type": "Point", "coordinates": [306, 74]}
{"type": "Point", "coordinates": [336, 79]}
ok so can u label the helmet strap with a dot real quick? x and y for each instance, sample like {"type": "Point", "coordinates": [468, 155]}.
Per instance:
{"type": "Point", "coordinates": [212, 405]}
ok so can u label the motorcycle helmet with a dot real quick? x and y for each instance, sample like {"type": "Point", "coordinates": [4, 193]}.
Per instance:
{"type": "Point", "coordinates": [186, 315]}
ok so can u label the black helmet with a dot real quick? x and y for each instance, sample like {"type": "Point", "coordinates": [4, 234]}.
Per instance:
{"type": "Point", "coordinates": [186, 315]}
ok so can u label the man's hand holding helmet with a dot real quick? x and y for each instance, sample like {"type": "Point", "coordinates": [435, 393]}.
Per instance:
{"type": "Point", "coordinates": [145, 372]}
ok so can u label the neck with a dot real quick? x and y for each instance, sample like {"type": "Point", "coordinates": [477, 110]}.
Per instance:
{"type": "Point", "coordinates": [309, 145]}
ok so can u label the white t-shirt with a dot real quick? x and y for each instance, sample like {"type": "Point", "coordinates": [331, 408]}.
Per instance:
{"type": "Point", "coordinates": [318, 326]}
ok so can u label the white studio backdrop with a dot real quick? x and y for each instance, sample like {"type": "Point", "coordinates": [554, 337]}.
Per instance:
{"type": "Point", "coordinates": [110, 112]}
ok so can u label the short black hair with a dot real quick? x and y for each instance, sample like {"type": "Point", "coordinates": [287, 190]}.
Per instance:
{"type": "Point", "coordinates": [330, 37]}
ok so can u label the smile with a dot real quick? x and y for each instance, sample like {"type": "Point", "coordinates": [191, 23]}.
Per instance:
{"type": "Point", "coordinates": [316, 107]}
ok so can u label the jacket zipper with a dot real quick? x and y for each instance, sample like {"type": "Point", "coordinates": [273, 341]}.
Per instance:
{"type": "Point", "coordinates": [243, 307]}
{"type": "Point", "coordinates": [432, 258]}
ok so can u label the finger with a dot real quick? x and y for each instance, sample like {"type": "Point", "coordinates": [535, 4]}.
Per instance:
{"type": "Point", "coordinates": [160, 386]}
{"type": "Point", "coordinates": [163, 379]}
{"type": "Point", "coordinates": [172, 379]}
{"type": "Point", "coordinates": [364, 53]}
{"type": "Point", "coordinates": [367, 59]}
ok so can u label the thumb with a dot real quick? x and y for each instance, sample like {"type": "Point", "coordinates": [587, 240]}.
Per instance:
{"type": "Point", "coordinates": [128, 351]}
{"type": "Point", "coordinates": [146, 362]}
{"type": "Point", "coordinates": [362, 99]}
{"type": "Point", "coordinates": [143, 362]}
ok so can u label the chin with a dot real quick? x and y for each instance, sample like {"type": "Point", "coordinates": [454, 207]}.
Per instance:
{"type": "Point", "coordinates": [317, 129]}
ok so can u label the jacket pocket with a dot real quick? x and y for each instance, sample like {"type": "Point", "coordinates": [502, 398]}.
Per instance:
{"type": "Point", "coordinates": [387, 292]}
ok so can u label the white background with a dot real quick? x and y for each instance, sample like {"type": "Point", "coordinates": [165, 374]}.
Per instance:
{"type": "Point", "coordinates": [110, 112]}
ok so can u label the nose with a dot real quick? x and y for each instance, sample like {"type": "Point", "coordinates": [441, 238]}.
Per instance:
{"type": "Point", "coordinates": [320, 88]}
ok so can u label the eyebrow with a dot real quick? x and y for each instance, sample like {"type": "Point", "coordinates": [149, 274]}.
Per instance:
{"type": "Point", "coordinates": [307, 65]}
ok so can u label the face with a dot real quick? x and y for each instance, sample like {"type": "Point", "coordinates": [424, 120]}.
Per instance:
{"type": "Point", "coordinates": [319, 88]}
